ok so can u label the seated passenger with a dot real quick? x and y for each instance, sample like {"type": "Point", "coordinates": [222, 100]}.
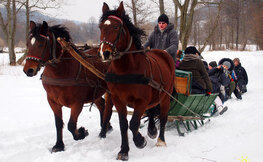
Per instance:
{"type": "Point", "coordinates": [240, 76]}
{"type": "Point", "coordinates": [229, 66]}
{"type": "Point", "coordinates": [179, 57]}
{"type": "Point", "coordinates": [201, 83]}
{"type": "Point", "coordinates": [218, 79]}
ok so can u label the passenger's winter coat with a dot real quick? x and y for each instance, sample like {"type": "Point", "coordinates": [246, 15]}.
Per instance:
{"type": "Point", "coordinates": [241, 74]}
{"type": "Point", "coordinates": [218, 77]}
{"type": "Point", "coordinates": [166, 40]}
{"type": "Point", "coordinates": [192, 62]}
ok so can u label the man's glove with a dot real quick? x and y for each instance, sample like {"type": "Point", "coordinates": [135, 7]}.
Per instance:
{"type": "Point", "coordinates": [208, 93]}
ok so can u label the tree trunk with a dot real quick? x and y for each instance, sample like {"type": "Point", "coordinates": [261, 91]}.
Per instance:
{"type": "Point", "coordinates": [185, 20]}
{"type": "Point", "coordinates": [161, 4]}
{"type": "Point", "coordinates": [134, 12]}
{"type": "Point", "coordinates": [212, 31]}
{"type": "Point", "coordinates": [237, 23]}
{"type": "Point", "coordinates": [175, 17]}
{"type": "Point", "coordinates": [22, 58]}
{"type": "Point", "coordinates": [11, 18]}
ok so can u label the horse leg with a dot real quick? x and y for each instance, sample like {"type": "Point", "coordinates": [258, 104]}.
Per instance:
{"type": "Point", "coordinates": [122, 113]}
{"type": "Point", "coordinates": [106, 126]}
{"type": "Point", "coordinates": [164, 108]}
{"type": "Point", "coordinates": [152, 130]}
{"type": "Point", "coordinates": [59, 146]}
{"type": "Point", "coordinates": [138, 139]}
{"type": "Point", "coordinates": [80, 133]}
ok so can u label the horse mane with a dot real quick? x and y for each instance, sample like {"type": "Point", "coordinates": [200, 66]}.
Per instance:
{"type": "Point", "coordinates": [58, 30]}
{"type": "Point", "coordinates": [135, 32]}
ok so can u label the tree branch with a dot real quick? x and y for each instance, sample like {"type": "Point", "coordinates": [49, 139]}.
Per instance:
{"type": "Point", "coordinates": [178, 4]}
{"type": "Point", "coordinates": [211, 33]}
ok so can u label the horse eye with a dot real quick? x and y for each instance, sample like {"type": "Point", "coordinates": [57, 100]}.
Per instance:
{"type": "Point", "coordinates": [115, 27]}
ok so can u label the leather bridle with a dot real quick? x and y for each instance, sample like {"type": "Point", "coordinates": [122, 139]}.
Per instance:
{"type": "Point", "coordinates": [52, 50]}
{"type": "Point", "coordinates": [115, 52]}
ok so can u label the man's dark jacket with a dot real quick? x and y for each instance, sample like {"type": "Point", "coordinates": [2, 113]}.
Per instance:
{"type": "Point", "coordinates": [166, 40]}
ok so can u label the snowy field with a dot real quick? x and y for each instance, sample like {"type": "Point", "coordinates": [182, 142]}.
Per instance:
{"type": "Point", "coordinates": [27, 127]}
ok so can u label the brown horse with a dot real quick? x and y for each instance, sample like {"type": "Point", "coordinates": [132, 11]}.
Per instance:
{"type": "Point", "coordinates": [66, 82]}
{"type": "Point", "coordinates": [130, 75]}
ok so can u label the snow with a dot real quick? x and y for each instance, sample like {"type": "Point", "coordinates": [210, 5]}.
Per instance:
{"type": "Point", "coordinates": [27, 127]}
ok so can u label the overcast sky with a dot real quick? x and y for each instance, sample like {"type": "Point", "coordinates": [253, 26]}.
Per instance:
{"type": "Point", "coordinates": [81, 10]}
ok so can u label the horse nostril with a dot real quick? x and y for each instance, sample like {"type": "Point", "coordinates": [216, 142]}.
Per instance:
{"type": "Point", "coordinates": [30, 72]}
{"type": "Point", "coordinates": [106, 54]}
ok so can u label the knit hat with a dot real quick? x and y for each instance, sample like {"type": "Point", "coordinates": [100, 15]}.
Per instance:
{"type": "Point", "coordinates": [163, 18]}
{"type": "Point", "coordinates": [227, 63]}
{"type": "Point", "coordinates": [213, 64]}
{"type": "Point", "coordinates": [191, 50]}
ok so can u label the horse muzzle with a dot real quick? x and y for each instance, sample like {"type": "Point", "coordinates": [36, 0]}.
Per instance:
{"type": "Point", "coordinates": [31, 71]}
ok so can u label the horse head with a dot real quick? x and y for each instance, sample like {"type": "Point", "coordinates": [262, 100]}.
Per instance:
{"type": "Point", "coordinates": [42, 46]}
{"type": "Point", "coordinates": [117, 33]}
{"type": "Point", "coordinates": [38, 48]}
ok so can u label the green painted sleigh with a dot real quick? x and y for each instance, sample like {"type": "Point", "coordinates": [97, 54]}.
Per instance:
{"type": "Point", "coordinates": [190, 110]}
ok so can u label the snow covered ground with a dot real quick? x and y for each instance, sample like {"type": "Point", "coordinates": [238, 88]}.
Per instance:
{"type": "Point", "coordinates": [27, 129]}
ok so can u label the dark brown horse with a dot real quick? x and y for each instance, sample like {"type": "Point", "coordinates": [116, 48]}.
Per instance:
{"type": "Point", "coordinates": [66, 82]}
{"type": "Point", "coordinates": [130, 75]}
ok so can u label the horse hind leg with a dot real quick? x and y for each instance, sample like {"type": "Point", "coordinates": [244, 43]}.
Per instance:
{"type": "Point", "coordinates": [152, 113]}
{"type": "Point", "coordinates": [105, 116]}
{"type": "Point", "coordinates": [164, 108]}
{"type": "Point", "coordinates": [80, 133]}
{"type": "Point", "coordinates": [59, 146]}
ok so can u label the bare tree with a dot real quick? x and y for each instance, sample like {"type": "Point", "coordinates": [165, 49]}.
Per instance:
{"type": "Point", "coordinates": [186, 19]}
{"type": "Point", "coordinates": [9, 27]}
{"type": "Point", "coordinates": [213, 29]}
{"type": "Point", "coordinates": [140, 11]}
{"type": "Point", "coordinates": [30, 6]}
{"type": "Point", "coordinates": [161, 4]}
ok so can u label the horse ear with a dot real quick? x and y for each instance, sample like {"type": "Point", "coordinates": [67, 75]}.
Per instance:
{"type": "Point", "coordinates": [105, 7]}
{"type": "Point", "coordinates": [44, 27]}
{"type": "Point", "coordinates": [120, 9]}
{"type": "Point", "coordinates": [32, 25]}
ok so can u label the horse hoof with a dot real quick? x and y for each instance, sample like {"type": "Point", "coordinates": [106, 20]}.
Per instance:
{"type": "Point", "coordinates": [160, 143]}
{"type": "Point", "coordinates": [82, 133]}
{"type": "Point", "coordinates": [58, 148]}
{"type": "Point", "coordinates": [152, 133]}
{"type": "Point", "coordinates": [110, 129]}
{"type": "Point", "coordinates": [123, 156]}
{"type": "Point", "coordinates": [102, 135]}
{"type": "Point", "coordinates": [142, 144]}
